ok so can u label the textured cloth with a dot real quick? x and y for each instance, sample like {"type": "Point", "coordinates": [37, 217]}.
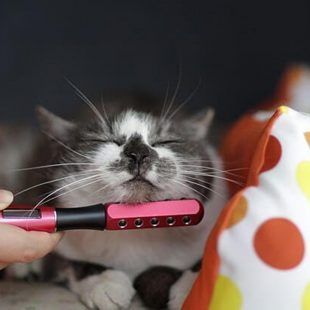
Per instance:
{"type": "Point", "coordinates": [257, 255]}
{"type": "Point", "coordinates": [24, 296]}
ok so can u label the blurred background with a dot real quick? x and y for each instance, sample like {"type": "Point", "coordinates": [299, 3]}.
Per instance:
{"type": "Point", "coordinates": [237, 49]}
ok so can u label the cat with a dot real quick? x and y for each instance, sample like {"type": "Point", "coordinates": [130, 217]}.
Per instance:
{"type": "Point", "coordinates": [132, 157]}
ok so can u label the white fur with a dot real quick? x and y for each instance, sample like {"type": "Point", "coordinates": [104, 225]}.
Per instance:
{"type": "Point", "coordinates": [107, 154]}
{"type": "Point", "coordinates": [111, 290]}
{"type": "Point", "coordinates": [131, 124]}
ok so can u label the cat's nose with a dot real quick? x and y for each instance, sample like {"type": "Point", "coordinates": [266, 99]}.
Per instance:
{"type": "Point", "coordinates": [138, 156]}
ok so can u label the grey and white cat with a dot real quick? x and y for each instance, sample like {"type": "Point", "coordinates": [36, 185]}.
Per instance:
{"type": "Point", "coordinates": [132, 157]}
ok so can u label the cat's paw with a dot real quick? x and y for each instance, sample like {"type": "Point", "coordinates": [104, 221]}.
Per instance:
{"type": "Point", "coordinates": [180, 290]}
{"type": "Point", "coordinates": [111, 290]}
{"type": "Point", "coordinates": [137, 304]}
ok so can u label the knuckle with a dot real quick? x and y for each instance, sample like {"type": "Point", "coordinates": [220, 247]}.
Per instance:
{"type": "Point", "coordinates": [37, 247]}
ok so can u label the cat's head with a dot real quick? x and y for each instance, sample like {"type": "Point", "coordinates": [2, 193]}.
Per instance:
{"type": "Point", "coordinates": [132, 157]}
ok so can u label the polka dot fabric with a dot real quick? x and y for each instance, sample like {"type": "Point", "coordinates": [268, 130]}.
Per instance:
{"type": "Point", "coordinates": [258, 254]}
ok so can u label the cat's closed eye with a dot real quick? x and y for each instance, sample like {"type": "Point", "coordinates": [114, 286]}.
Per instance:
{"type": "Point", "coordinates": [117, 142]}
{"type": "Point", "coordinates": [165, 142]}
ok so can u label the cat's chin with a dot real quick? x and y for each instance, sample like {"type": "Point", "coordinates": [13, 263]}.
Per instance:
{"type": "Point", "coordinates": [138, 191]}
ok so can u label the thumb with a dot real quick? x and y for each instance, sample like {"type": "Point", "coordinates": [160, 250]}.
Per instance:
{"type": "Point", "coordinates": [6, 198]}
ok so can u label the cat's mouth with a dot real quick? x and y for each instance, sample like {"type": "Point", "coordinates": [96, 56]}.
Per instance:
{"type": "Point", "coordinates": [138, 179]}
{"type": "Point", "coordinates": [139, 189]}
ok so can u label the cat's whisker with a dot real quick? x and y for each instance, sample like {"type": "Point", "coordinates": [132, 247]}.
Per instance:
{"type": "Point", "coordinates": [191, 95]}
{"type": "Point", "coordinates": [204, 166]}
{"type": "Point", "coordinates": [194, 161]}
{"type": "Point", "coordinates": [100, 189]}
{"type": "Point", "coordinates": [203, 174]}
{"type": "Point", "coordinates": [44, 200]}
{"type": "Point", "coordinates": [53, 165]}
{"type": "Point", "coordinates": [174, 95]}
{"type": "Point", "coordinates": [236, 169]}
{"type": "Point", "coordinates": [87, 101]}
{"type": "Point", "coordinates": [66, 146]}
{"type": "Point", "coordinates": [190, 188]}
{"type": "Point", "coordinates": [205, 187]}
{"type": "Point", "coordinates": [164, 104]}
{"type": "Point", "coordinates": [53, 181]}
{"type": "Point", "coordinates": [198, 167]}
{"type": "Point", "coordinates": [197, 159]}
{"type": "Point", "coordinates": [105, 115]}
{"type": "Point", "coordinates": [212, 176]}
{"type": "Point", "coordinates": [71, 190]}
{"type": "Point", "coordinates": [214, 185]}
{"type": "Point", "coordinates": [200, 180]}
{"type": "Point", "coordinates": [44, 194]}
{"type": "Point", "coordinates": [212, 169]}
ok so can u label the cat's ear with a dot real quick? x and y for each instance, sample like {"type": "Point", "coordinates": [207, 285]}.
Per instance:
{"type": "Point", "coordinates": [199, 124]}
{"type": "Point", "coordinates": [53, 125]}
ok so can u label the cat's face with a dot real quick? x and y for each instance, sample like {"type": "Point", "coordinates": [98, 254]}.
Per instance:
{"type": "Point", "coordinates": [134, 157]}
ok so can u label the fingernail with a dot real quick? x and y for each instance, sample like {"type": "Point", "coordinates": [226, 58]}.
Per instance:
{"type": "Point", "coordinates": [6, 197]}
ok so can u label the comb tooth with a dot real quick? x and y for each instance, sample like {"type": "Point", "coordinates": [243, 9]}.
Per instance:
{"type": "Point", "coordinates": [170, 220]}
{"type": "Point", "coordinates": [122, 223]}
{"type": "Point", "coordinates": [139, 222]}
{"type": "Point", "coordinates": [154, 221]}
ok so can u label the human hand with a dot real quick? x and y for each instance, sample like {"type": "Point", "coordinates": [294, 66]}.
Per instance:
{"type": "Point", "coordinates": [20, 246]}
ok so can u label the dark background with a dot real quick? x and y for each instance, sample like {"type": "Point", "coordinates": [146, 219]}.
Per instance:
{"type": "Point", "coordinates": [237, 49]}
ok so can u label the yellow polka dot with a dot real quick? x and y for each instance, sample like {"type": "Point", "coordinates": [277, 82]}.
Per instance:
{"type": "Point", "coordinates": [226, 295]}
{"type": "Point", "coordinates": [283, 109]}
{"type": "Point", "coordinates": [306, 298]}
{"type": "Point", "coordinates": [238, 213]}
{"type": "Point", "coordinates": [303, 177]}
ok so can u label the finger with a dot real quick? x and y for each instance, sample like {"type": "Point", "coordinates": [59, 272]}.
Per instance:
{"type": "Point", "coordinates": [6, 198]}
{"type": "Point", "coordinates": [18, 245]}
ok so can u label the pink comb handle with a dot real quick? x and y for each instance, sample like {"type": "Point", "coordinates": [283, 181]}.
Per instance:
{"type": "Point", "coordinates": [40, 219]}
{"type": "Point", "coordinates": [113, 216]}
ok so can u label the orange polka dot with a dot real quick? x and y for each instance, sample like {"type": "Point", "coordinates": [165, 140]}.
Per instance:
{"type": "Point", "coordinates": [238, 213]}
{"type": "Point", "coordinates": [279, 243]}
{"type": "Point", "coordinates": [273, 154]}
{"type": "Point", "coordinates": [307, 136]}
